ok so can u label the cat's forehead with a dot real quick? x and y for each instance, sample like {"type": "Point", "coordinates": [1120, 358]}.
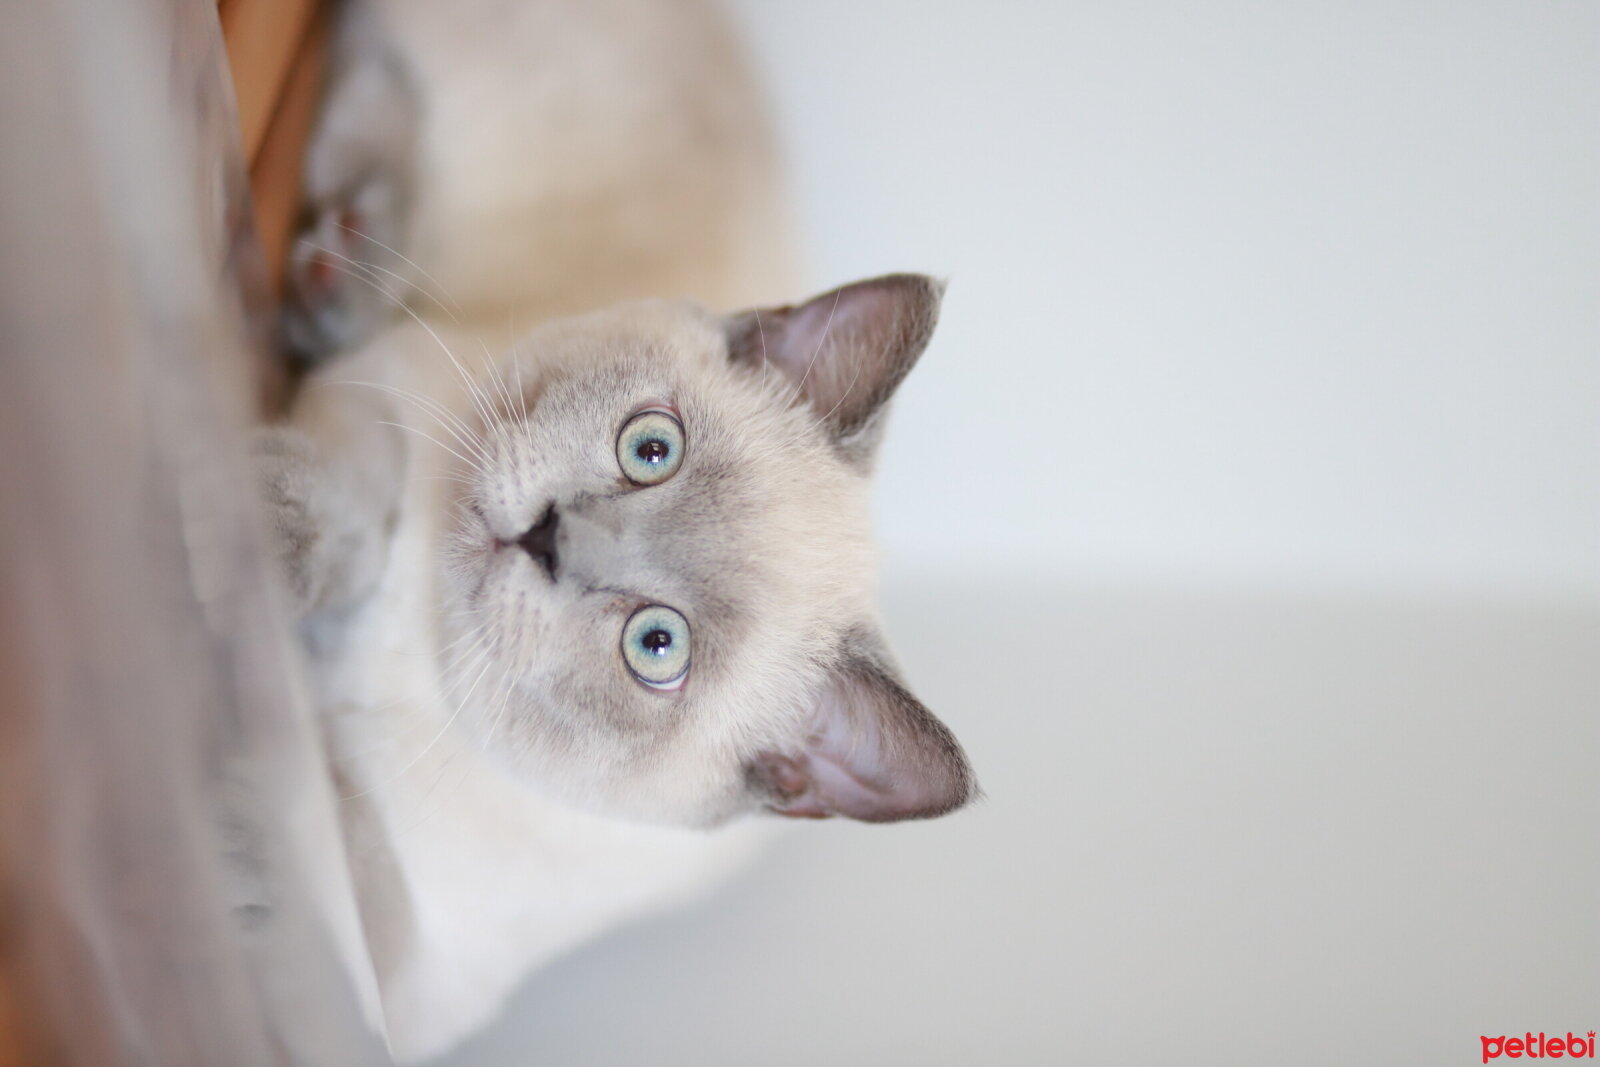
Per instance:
{"type": "Point", "coordinates": [742, 423]}
{"type": "Point", "coordinates": [629, 336]}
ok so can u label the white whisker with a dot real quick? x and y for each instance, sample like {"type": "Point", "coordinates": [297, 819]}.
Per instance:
{"type": "Point", "coordinates": [429, 437]}
{"type": "Point", "coordinates": [488, 661]}
{"type": "Point", "coordinates": [463, 433]}
{"type": "Point", "coordinates": [473, 393]}
{"type": "Point", "coordinates": [827, 328]}
{"type": "Point", "coordinates": [766, 363]}
{"type": "Point", "coordinates": [821, 424]}
{"type": "Point", "coordinates": [402, 279]}
{"type": "Point", "coordinates": [498, 380]}
{"type": "Point", "coordinates": [408, 261]}
{"type": "Point", "coordinates": [504, 688]}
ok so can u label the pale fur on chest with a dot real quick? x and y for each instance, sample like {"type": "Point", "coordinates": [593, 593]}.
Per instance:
{"type": "Point", "coordinates": [468, 879]}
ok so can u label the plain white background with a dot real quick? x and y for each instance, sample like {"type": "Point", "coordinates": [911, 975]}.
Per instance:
{"type": "Point", "coordinates": [1243, 520]}
{"type": "Point", "coordinates": [1275, 292]}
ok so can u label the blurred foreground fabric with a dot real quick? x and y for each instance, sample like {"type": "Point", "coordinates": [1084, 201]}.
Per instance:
{"type": "Point", "coordinates": [172, 890]}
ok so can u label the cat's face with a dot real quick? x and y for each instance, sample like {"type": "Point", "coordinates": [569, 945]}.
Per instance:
{"type": "Point", "coordinates": [662, 574]}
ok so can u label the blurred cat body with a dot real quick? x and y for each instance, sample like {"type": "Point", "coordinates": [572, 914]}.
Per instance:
{"type": "Point", "coordinates": [469, 542]}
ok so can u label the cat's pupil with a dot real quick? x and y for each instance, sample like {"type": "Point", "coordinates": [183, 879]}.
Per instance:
{"type": "Point", "coordinates": [652, 451]}
{"type": "Point", "coordinates": [657, 641]}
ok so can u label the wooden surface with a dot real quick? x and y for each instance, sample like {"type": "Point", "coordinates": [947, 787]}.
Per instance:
{"type": "Point", "coordinates": [277, 50]}
{"type": "Point", "coordinates": [275, 165]}
{"type": "Point", "coordinates": [276, 57]}
{"type": "Point", "coordinates": [172, 887]}
{"type": "Point", "coordinates": [263, 38]}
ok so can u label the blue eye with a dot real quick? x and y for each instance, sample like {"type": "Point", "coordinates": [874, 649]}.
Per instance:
{"type": "Point", "coordinates": [650, 447]}
{"type": "Point", "coordinates": [655, 645]}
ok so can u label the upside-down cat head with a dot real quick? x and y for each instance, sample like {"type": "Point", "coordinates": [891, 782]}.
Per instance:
{"type": "Point", "coordinates": [664, 557]}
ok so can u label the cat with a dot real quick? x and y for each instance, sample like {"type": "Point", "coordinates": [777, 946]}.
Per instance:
{"type": "Point", "coordinates": [579, 605]}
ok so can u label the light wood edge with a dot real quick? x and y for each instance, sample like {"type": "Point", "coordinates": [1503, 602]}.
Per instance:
{"type": "Point", "coordinates": [263, 37]}
{"type": "Point", "coordinates": [275, 174]}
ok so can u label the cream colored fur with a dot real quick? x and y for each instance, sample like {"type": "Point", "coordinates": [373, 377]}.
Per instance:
{"type": "Point", "coordinates": [574, 155]}
{"type": "Point", "coordinates": [467, 878]}
{"type": "Point", "coordinates": [508, 788]}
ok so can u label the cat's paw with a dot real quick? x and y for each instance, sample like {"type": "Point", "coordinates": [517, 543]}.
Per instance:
{"type": "Point", "coordinates": [331, 549]}
{"type": "Point", "coordinates": [285, 472]}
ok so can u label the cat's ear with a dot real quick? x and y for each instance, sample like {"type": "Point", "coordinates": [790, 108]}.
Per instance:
{"type": "Point", "coordinates": [846, 351]}
{"type": "Point", "coordinates": [872, 752]}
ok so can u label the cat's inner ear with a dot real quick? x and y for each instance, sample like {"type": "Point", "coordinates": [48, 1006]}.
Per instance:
{"type": "Point", "coordinates": [872, 752]}
{"type": "Point", "coordinates": [846, 351]}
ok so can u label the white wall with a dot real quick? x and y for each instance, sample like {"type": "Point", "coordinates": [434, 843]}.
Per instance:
{"type": "Point", "coordinates": [1260, 293]}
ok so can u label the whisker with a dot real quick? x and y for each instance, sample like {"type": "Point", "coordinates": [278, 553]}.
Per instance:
{"type": "Point", "coordinates": [412, 723]}
{"type": "Point", "coordinates": [429, 437]}
{"type": "Point", "coordinates": [467, 437]}
{"type": "Point", "coordinates": [766, 363]}
{"type": "Point", "coordinates": [473, 393]}
{"type": "Point", "coordinates": [498, 381]}
{"type": "Point", "coordinates": [826, 329]}
{"type": "Point", "coordinates": [522, 386]}
{"type": "Point", "coordinates": [370, 266]}
{"type": "Point", "coordinates": [406, 260]}
{"type": "Point", "coordinates": [474, 635]}
{"type": "Point", "coordinates": [821, 423]}
{"type": "Point", "coordinates": [504, 688]}
{"type": "Point", "coordinates": [521, 389]}
{"type": "Point", "coordinates": [484, 670]}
